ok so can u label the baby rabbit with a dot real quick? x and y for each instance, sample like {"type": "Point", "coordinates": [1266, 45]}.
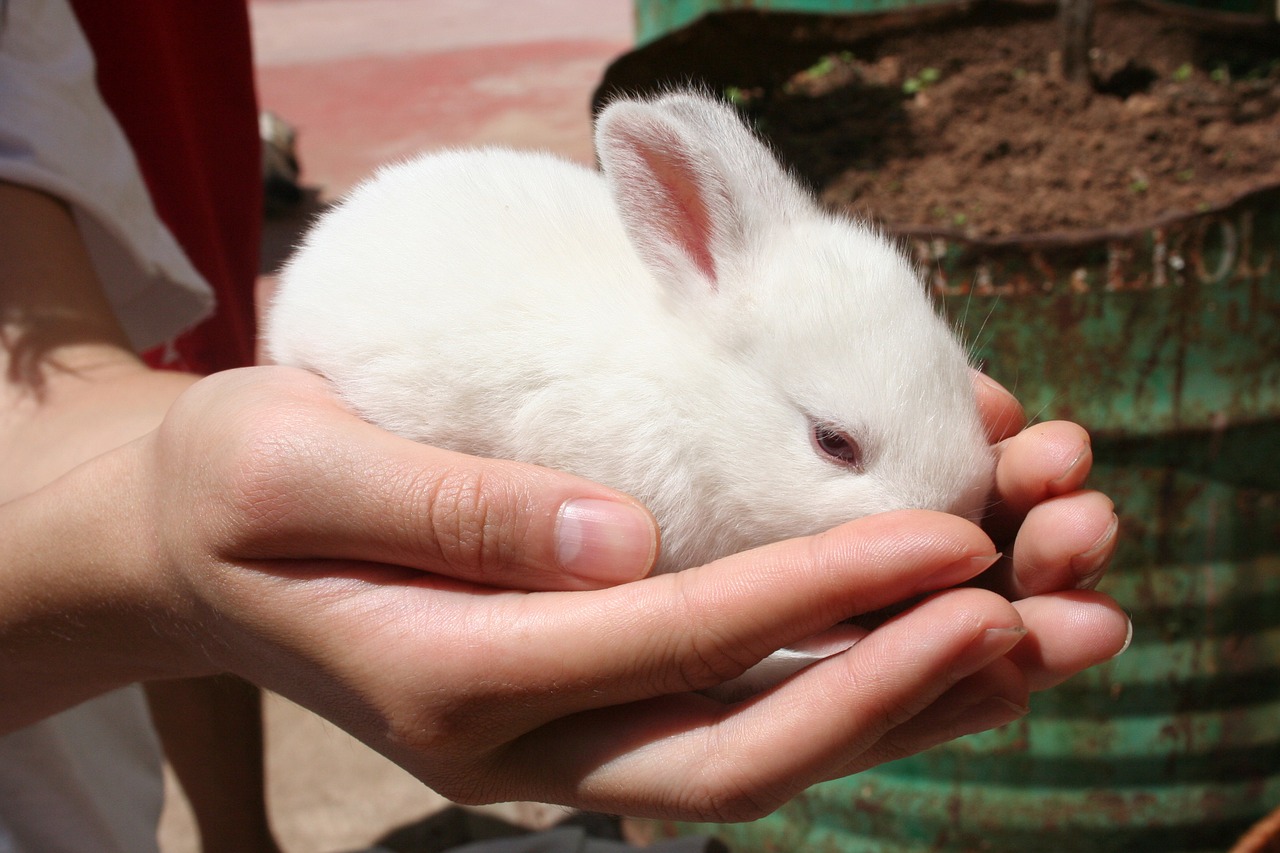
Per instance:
{"type": "Point", "coordinates": [688, 327]}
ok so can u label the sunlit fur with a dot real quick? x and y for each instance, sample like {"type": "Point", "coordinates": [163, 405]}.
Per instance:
{"type": "Point", "coordinates": [514, 305]}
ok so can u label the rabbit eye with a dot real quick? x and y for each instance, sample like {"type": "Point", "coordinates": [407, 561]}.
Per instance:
{"type": "Point", "coordinates": [837, 446]}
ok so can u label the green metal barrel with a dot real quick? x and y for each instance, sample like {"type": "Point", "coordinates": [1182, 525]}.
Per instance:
{"type": "Point", "coordinates": [655, 18]}
{"type": "Point", "coordinates": [1165, 342]}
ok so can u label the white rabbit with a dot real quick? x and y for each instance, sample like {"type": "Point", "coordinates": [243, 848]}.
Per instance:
{"type": "Point", "coordinates": [689, 328]}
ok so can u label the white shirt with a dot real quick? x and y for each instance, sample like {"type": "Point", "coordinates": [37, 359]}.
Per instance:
{"type": "Point", "coordinates": [88, 779]}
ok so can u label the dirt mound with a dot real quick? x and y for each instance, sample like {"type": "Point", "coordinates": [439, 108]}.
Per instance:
{"type": "Point", "coordinates": [962, 121]}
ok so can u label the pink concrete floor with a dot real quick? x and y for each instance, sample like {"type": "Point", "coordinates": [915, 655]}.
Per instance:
{"type": "Point", "coordinates": [366, 81]}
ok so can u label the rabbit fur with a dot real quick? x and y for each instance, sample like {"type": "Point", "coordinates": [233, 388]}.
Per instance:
{"type": "Point", "coordinates": [686, 327]}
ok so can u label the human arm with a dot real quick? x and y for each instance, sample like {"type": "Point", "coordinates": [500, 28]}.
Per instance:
{"type": "Point", "coordinates": [72, 389]}
{"type": "Point", "coordinates": [577, 697]}
{"type": "Point", "coordinates": [262, 529]}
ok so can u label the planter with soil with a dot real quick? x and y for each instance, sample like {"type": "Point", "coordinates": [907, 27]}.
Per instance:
{"type": "Point", "coordinates": [1112, 251]}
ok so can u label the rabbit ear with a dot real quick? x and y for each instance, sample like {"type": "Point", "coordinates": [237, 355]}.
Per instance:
{"type": "Point", "coordinates": [693, 185]}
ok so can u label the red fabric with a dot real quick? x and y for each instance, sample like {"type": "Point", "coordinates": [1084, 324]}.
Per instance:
{"type": "Point", "coordinates": [179, 78]}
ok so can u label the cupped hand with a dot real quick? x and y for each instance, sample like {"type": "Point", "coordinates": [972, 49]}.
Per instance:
{"type": "Point", "coordinates": [361, 575]}
{"type": "Point", "coordinates": [1055, 540]}
{"type": "Point", "coordinates": [289, 442]}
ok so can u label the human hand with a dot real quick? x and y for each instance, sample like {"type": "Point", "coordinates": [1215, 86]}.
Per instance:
{"type": "Point", "coordinates": [308, 551]}
{"type": "Point", "coordinates": [264, 530]}
{"type": "Point", "coordinates": [1056, 539]}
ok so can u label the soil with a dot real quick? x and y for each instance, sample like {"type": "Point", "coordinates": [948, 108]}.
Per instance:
{"type": "Point", "coordinates": [960, 120]}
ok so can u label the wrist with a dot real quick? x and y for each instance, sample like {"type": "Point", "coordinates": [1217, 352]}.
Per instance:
{"type": "Point", "coordinates": [85, 605]}
{"type": "Point", "coordinates": [104, 401]}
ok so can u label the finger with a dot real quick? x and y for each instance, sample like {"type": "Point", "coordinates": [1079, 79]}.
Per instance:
{"type": "Point", "coordinates": [992, 697]}
{"type": "Point", "coordinates": [1065, 542]}
{"type": "Point", "coordinates": [689, 757]}
{"type": "Point", "coordinates": [1042, 461]}
{"type": "Point", "coordinates": [698, 628]}
{"type": "Point", "coordinates": [1001, 412]}
{"type": "Point", "coordinates": [1068, 632]}
{"type": "Point", "coordinates": [316, 481]}
{"type": "Point", "coordinates": [551, 654]}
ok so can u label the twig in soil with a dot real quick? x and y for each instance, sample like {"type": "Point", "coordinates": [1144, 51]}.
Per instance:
{"type": "Point", "coordinates": [1076, 17]}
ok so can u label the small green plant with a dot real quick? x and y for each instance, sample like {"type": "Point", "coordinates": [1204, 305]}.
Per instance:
{"type": "Point", "coordinates": [1139, 186]}
{"type": "Point", "coordinates": [926, 78]}
{"type": "Point", "coordinates": [957, 219]}
{"type": "Point", "coordinates": [1183, 72]}
{"type": "Point", "coordinates": [1186, 176]}
{"type": "Point", "coordinates": [827, 64]}
{"type": "Point", "coordinates": [1221, 74]}
{"type": "Point", "coordinates": [822, 67]}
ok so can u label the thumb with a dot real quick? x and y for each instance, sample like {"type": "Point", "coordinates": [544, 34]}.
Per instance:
{"type": "Point", "coordinates": [492, 522]}
{"type": "Point", "coordinates": [311, 481]}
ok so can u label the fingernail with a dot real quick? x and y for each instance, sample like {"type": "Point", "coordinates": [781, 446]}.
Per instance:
{"type": "Point", "coordinates": [991, 713]}
{"type": "Point", "coordinates": [992, 384]}
{"type": "Point", "coordinates": [1127, 640]}
{"type": "Point", "coordinates": [1089, 566]}
{"type": "Point", "coordinates": [958, 572]}
{"type": "Point", "coordinates": [1085, 453]}
{"type": "Point", "coordinates": [605, 541]}
{"type": "Point", "coordinates": [993, 643]}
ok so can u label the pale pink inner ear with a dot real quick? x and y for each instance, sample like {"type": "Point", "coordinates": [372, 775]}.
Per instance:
{"type": "Point", "coordinates": [682, 217]}
{"type": "Point", "coordinates": [688, 221]}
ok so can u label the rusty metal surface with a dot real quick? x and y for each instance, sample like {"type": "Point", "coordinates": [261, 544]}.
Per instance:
{"type": "Point", "coordinates": [1164, 328]}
